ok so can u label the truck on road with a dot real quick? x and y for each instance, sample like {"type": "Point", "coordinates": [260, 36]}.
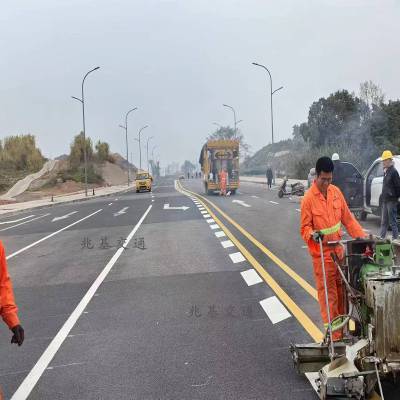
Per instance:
{"type": "Point", "coordinates": [215, 156]}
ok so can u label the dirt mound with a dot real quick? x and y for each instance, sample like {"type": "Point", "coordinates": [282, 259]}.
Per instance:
{"type": "Point", "coordinates": [112, 174]}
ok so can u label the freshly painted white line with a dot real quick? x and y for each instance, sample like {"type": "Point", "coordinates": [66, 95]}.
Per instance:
{"type": "Point", "coordinates": [206, 215]}
{"type": "Point", "coordinates": [168, 207]}
{"type": "Point", "coordinates": [120, 212]}
{"type": "Point", "coordinates": [214, 226]}
{"type": "Point", "coordinates": [201, 208]}
{"type": "Point", "coordinates": [241, 202]}
{"type": "Point", "coordinates": [273, 202]}
{"type": "Point", "coordinates": [210, 220]}
{"type": "Point", "coordinates": [63, 216]}
{"type": "Point", "coordinates": [204, 212]}
{"type": "Point", "coordinates": [51, 235]}
{"type": "Point", "coordinates": [237, 257]}
{"type": "Point", "coordinates": [36, 372]}
{"type": "Point", "coordinates": [251, 277]}
{"type": "Point", "coordinates": [23, 223]}
{"type": "Point", "coordinates": [17, 220]}
{"type": "Point", "coordinates": [275, 310]}
{"type": "Point", "coordinates": [298, 209]}
{"type": "Point", "coordinates": [226, 243]}
{"type": "Point", "coordinates": [255, 197]}
{"type": "Point", "coordinates": [220, 234]}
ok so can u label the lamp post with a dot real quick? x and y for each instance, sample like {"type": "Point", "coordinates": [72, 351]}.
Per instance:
{"type": "Point", "coordinates": [147, 151]}
{"type": "Point", "coordinates": [82, 101]}
{"type": "Point", "coordinates": [271, 94]}
{"type": "Point", "coordinates": [234, 116]}
{"type": "Point", "coordinates": [140, 146]}
{"type": "Point", "coordinates": [126, 136]}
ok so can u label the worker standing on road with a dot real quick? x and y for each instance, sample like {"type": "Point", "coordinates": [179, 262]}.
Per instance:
{"type": "Point", "coordinates": [323, 210]}
{"type": "Point", "coordinates": [390, 195]}
{"type": "Point", "coordinates": [269, 177]}
{"type": "Point", "coordinates": [8, 309]}
{"type": "Point", "coordinates": [223, 178]}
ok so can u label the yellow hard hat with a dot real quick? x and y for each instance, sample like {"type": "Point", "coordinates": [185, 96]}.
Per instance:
{"type": "Point", "coordinates": [386, 155]}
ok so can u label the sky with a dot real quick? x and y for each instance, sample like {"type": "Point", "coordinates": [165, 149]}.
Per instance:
{"type": "Point", "coordinates": [179, 61]}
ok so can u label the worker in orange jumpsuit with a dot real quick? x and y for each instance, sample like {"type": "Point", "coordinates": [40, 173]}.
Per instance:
{"type": "Point", "coordinates": [323, 211]}
{"type": "Point", "coordinates": [223, 178]}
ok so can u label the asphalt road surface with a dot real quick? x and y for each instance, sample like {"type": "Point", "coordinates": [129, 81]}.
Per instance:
{"type": "Point", "coordinates": [153, 296]}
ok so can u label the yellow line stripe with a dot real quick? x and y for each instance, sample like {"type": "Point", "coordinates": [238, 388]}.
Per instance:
{"type": "Point", "coordinates": [298, 313]}
{"type": "Point", "coordinates": [294, 275]}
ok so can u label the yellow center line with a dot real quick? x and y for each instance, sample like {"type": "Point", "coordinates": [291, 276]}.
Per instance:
{"type": "Point", "coordinates": [297, 312]}
{"type": "Point", "coordinates": [294, 275]}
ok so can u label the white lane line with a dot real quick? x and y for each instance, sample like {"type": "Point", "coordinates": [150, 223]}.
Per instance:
{"type": "Point", "coordinates": [63, 216]}
{"type": "Point", "coordinates": [241, 202]}
{"type": "Point", "coordinates": [51, 235]}
{"type": "Point", "coordinates": [210, 220]}
{"type": "Point", "coordinates": [202, 209]}
{"type": "Point", "coordinates": [206, 215]}
{"type": "Point", "coordinates": [16, 220]}
{"type": "Point", "coordinates": [237, 257]}
{"type": "Point", "coordinates": [109, 204]}
{"type": "Point", "coordinates": [273, 202]}
{"type": "Point", "coordinates": [36, 372]}
{"type": "Point", "coordinates": [255, 197]}
{"type": "Point", "coordinates": [226, 243]}
{"type": "Point", "coordinates": [298, 209]}
{"type": "Point", "coordinates": [251, 277]}
{"type": "Point", "coordinates": [214, 226]}
{"type": "Point", "coordinates": [152, 200]}
{"type": "Point", "coordinates": [203, 212]}
{"type": "Point", "coordinates": [23, 223]}
{"type": "Point", "coordinates": [275, 310]}
{"type": "Point", "coordinates": [220, 234]}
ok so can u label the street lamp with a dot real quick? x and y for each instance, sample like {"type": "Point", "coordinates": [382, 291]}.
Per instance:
{"type": "Point", "coordinates": [126, 136]}
{"type": "Point", "coordinates": [272, 112]}
{"type": "Point", "coordinates": [147, 151]}
{"type": "Point", "coordinates": [234, 116]}
{"type": "Point", "coordinates": [82, 101]}
{"type": "Point", "coordinates": [140, 147]}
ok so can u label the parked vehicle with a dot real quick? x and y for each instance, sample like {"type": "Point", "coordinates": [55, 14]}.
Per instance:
{"type": "Point", "coordinates": [295, 189]}
{"type": "Point", "coordinates": [373, 182]}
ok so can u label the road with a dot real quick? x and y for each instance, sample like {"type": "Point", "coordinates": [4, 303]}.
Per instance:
{"type": "Point", "coordinates": [127, 298]}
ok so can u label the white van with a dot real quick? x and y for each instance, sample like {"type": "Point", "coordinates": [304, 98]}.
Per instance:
{"type": "Point", "coordinates": [373, 187]}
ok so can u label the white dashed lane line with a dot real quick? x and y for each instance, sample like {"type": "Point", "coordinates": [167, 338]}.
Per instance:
{"type": "Point", "coordinates": [220, 234]}
{"type": "Point", "coordinates": [273, 202]}
{"type": "Point", "coordinates": [274, 309]}
{"type": "Point", "coordinates": [214, 226]}
{"type": "Point", "coordinates": [237, 257]}
{"type": "Point", "coordinates": [203, 212]}
{"type": "Point", "coordinates": [226, 243]}
{"type": "Point", "coordinates": [251, 277]}
{"type": "Point", "coordinates": [210, 220]}
{"type": "Point", "coordinates": [206, 215]}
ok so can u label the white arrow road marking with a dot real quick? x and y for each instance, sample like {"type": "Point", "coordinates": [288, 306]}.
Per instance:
{"type": "Point", "coordinates": [64, 216]}
{"type": "Point", "coordinates": [241, 202]}
{"type": "Point", "coordinates": [275, 310]}
{"type": "Point", "coordinates": [16, 220]}
{"type": "Point", "coordinates": [168, 207]}
{"type": "Point", "coordinates": [273, 202]}
{"type": "Point", "coordinates": [121, 211]}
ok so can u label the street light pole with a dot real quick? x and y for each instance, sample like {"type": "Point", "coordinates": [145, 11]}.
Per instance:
{"type": "Point", "coordinates": [234, 116]}
{"type": "Point", "coordinates": [140, 146]}
{"type": "Point", "coordinates": [82, 101]}
{"type": "Point", "coordinates": [147, 151]}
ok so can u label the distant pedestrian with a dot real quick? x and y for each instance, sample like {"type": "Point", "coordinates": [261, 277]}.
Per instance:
{"type": "Point", "coordinates": [223, 179]}
{"type": "Point", "coordinates": [269, 176]}
{"type": "Point", "coordinates": [390, 195]}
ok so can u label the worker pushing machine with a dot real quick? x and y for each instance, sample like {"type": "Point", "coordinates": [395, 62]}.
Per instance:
{"type": "Point", "coordinates": [323, 211]}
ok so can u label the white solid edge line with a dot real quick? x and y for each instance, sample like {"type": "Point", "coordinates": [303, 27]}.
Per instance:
{"type": "Point", "coordinates": [51, 234]}
{"type": "Point", "coordinates": [16, 220]}
{"type": "Point", "coordinates": [23, 223]}
{"type": "Point", "coordinates": [275, 310]}
{"type": "Point", "coordinates": [251, 277]}
{"type": "Point", "coordinates": [36, 372]}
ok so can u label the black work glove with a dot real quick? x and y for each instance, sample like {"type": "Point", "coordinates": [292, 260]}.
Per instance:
{"type": "Point", "coordinates": [18, 335]}
{"type": "Point", "coordinates": [317, 235]}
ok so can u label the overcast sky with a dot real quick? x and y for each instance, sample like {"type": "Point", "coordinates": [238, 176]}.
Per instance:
{"type": "Point", "coordinates": [178, 61]}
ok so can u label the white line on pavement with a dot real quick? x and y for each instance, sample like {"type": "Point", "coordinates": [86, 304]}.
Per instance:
{"type": "Point", "coordinates": [226, 243]}
{"type": "Point", "coordinates": [51, 235]}
{"type": "Point", "coordinates": [210, 220]}
{"type": "Point", "coordinates": [273, 202]}
{"type": "Point", "coordinates": [34, 375]}
{"type": "Point", "coordinates": [109, 204]}
{"type": "Point", "coordinates": [63, 216]}
{"type": "Point", "coordinates": [298, 209]}
{"type": "Point", "coordinates": [214, 226]}
{"type": "Point", "coordinates": [23, 223]}
{"type": "Point", "coordinates": [251, 277]}
{"type": "Point", "coordinates": [275, 310]}
{"type": "Point", "coordinates": [237, 257]}
{"type": "Point", "coordinates": [255, 197]}
{"type": "Point", "coordinates": [120, 212]}
{"type": "Point", "coordinates": [16, 220]}
{"type": "Point", "coordinates": [220, 234]}
{"type": "Point", "coordinates": [206, 215]}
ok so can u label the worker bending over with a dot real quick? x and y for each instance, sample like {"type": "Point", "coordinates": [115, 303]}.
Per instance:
{"type": "Point", "coordinates": [323, 211]}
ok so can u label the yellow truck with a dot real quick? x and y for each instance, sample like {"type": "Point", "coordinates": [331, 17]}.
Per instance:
{"type": "Point", "coordinates": [143, 181]}
{"type": "Point", "coordinates": [215, 156]}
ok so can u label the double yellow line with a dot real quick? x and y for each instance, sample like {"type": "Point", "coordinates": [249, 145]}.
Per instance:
{"type": "Point", "coordinates": [297, 312]}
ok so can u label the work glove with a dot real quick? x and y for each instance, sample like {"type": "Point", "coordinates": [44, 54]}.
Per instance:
{"type": "Point", "coordinates": [316, 236]}
{"type": "Point", "coordinates": [18, 335]}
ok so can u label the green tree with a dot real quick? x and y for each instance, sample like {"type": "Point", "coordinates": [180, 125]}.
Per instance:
{"type": "Point", "coordinates": [102, 151]}
{"type": "Point", "coordinates": [228, 133]}
{"type": "Point", "coordinates": [76, 156]}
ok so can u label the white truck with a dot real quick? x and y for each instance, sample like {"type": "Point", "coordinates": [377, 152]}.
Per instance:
{"type": "Point", "coordinates": [373, 182]}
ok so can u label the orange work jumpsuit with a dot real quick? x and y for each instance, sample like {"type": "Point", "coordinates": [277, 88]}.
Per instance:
{"type": "Point", "coordinates": [223, 177]}
{"type": "Point", "coordinates": [8, 309]}
{"type": "Point", "coordinates": [319, 213]}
